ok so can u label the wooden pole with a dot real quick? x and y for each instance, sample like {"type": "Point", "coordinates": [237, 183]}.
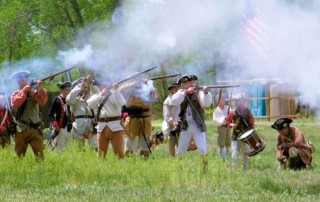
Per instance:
{"type": "Point", "coordinates": [268, 101]}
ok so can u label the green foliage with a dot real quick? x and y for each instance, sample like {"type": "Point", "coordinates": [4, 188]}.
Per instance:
{"type": "Point", "coordinates": [42, 27]}
{"type": "Point", "coordinates": [78, 175]}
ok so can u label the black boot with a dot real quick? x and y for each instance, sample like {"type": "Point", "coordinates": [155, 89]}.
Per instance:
{"type": "Point", "coordinates": [296, 163]}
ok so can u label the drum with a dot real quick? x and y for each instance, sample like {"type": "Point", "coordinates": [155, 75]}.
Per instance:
{"type": "Point", "coordinates": [251, 142]}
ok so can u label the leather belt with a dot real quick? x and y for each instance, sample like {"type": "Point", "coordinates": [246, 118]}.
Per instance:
{"type": "Point", "coordinates": [31, 125]}
{"type": "Point", "coordinates": [84, 116]}
{"type": "Point", "coordinates": [108, 119]}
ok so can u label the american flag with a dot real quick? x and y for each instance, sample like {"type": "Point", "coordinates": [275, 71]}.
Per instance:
{"type": "Point", "coordinates": [254, 29]}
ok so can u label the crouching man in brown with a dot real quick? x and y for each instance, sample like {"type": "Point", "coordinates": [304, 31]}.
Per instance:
{"type": "Point", "coordinates": [292, 147]}
{"type": "Point", "coordinates": [26, 102]}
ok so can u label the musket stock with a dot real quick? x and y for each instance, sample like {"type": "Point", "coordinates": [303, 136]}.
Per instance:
{"type": "Point", "coordinates": [32, 83]}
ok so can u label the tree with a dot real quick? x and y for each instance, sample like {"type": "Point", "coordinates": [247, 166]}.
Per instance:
{"type": "Point", "coordinates": [42, 27]}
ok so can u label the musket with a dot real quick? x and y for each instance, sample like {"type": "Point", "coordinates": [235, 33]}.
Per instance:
{"type": "Point", "coordinates": [217, 86]}
{"type": "Point", "coordinates": [165, 76]}
{"type": "Point", "coordinates": [32, 83]}
{"type": "Point", "coordinates": [230, 101]}
{"type": "Point", "coordinates": [219, 98]}
{"type": "Point", "coordinates": [135, 75]}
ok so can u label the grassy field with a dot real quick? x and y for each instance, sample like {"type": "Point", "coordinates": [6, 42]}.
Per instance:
{"type": "Point", "coordinates": [74, 175]}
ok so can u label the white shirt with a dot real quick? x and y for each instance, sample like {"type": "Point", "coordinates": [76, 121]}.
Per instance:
{"type": "Point", "coordinates": [219, 115]}
{"type": "Point", "coordinates": [170, 114]}
{"type": "Point", "coordinates": [205, 100]}
{"type": "Point", "coordinates": [170, 110]}
{"type": "Point", "coordinates": [79, 107]}
{"type": "Point", "coordinates": [111, 108]}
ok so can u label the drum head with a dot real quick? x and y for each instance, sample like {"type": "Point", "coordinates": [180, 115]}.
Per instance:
{"type": "Point", "coordinates": [246, 134]}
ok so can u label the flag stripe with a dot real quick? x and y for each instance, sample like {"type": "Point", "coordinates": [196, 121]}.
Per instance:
{"type": "Point", "coordinates": [254, 29]}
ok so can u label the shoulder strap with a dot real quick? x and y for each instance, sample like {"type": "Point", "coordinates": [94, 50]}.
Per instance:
{"type": "Point", "coordinates": [241, 117]}
{"type": "Point", "coordinates": [62, 104]}
{"type": "Point", "coordinates": [101, 104]}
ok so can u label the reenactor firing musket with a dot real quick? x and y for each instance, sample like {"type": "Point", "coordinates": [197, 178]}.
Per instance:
{"type": "Point", "coordinates": [165, 76]}
{"type": "Point", "coordinates": [33, 82]}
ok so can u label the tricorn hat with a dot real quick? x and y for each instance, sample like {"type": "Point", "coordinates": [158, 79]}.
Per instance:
{"type": "Point", "coordinates": [63, 85]}
{"type": "Point", "coordinates": [173, 85]}
{"type": "Point", "coordinates": [187, 77]}
{"type": "Point", "coordinates": [19, 75]}
{"type": "Point", "coordinates": [281, 123]}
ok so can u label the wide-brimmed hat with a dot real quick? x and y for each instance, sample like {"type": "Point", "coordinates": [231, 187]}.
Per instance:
{"type": "Point", "coordinates": [173, 85]}
{"type": "Point", "coordinates": [102, 81]}
{"type": "Point", "coordinates": [187, 77]}
{"type": "Point", "coordinates": [281, 123]}
{"type": "Point", "coordinates": [19, 75]}
{"type": "Point", "coordinates": [62, 85]}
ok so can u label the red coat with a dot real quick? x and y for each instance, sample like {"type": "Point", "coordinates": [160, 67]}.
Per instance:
{"type": "Point", "coordinates": [6, 122]}
{"type": "Point", "coordinates": [18, 97]}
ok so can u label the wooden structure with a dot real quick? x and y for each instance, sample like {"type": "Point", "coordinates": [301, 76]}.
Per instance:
{"type": "Point", "coordinates": [278, 97]}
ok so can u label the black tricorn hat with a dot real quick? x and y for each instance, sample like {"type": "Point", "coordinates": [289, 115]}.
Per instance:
{"type": "Point", "coordinates": [173, 85]}
{"type": "Point", "coordinates": [19, 75]}
{"type": "Point", "coordinates": [62, 85]}
{"type": "Point", "coordinates": [281, 123]}
{"type": "Point", "coordinates": [187, 77]}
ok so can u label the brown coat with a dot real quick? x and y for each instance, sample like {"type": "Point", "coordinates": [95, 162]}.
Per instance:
{"type": "Point", "coordinates": [295, 139]}
{"type": "Point", "coordinates": [135, 126]}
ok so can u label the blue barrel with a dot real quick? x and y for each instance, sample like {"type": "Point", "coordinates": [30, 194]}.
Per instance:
{"type": "Point", "coordinates": [258, 107]}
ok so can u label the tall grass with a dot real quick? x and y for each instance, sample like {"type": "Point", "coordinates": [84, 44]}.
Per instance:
{"type": "Point", "coordinates": [78, 175]}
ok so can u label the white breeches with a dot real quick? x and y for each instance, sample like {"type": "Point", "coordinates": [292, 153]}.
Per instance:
{"type": "Point", "coordinates": [136, 143]}
{"type": "Point", "coordinates": [63, 138]}
{"type": "Point", "coordinates": [185, 137]}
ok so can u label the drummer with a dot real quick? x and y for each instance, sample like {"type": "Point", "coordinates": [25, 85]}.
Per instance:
{"type": "Point", "coordinates": [240, 119]}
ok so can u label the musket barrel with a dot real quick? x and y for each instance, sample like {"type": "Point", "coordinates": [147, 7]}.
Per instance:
{"type": "Point", "coordinates": [219, 86]}
{"type": "Point", "coordinates": [51, 76]}
{"type": "Point", "coordinates": [164, 76]}
{"type": "Point", "coordinates": [135, 75]}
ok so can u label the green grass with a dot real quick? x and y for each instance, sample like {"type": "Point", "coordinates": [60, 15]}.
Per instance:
{"type": "Point", "coordinates": [75, 175]}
